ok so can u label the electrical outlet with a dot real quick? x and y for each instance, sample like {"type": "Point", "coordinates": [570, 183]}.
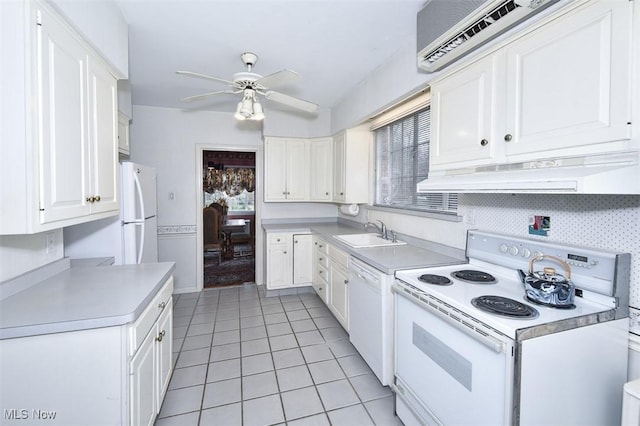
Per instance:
{"type": "Point", "coordinates": [471, 217]}
{"type": "Point", "coordinates": [51, 242]}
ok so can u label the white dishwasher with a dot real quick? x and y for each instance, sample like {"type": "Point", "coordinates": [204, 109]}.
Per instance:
{"type": "Point", "coordinates": [371, 317]}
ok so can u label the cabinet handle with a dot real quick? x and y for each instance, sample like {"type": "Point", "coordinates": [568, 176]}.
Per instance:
{"type": "Point", "coordinates": [288, 193]}
{"type": "Point", "coordinates": [319, 272]}
{"type": "Point", "coordinates": [295, 241]}
{"type": "Point", "coordinates": [285, 252]}
{"type": "Point", "coordinates": [320, 245]}
{"type": "Point", "coordinates": [278, 239]}
{"type": "Point", "coordinates": [484, 142]}
{"type": "Point", "coordinates": [326, 193]}
{"type": "Point", "coordinates": [346, 281]}
{"type": "Point", "coordinates": [321, 259]}
{"type": "Point", "coordinates": [320, 288]}
{"type": "Point", "coordinates": [97, 198]}
{"type": "Point", "coordinates": [508, 137]}
{"type": "Point", "coordinates": [342, 193]}
{"type": "Point", "coordinates": [284, 192]}
{"type": "Point", "coordinates": [162, 305]}
{"type": "Point", "coordinates": [91, 199]}
{"type": "Point", "coordinates": [160, 336]}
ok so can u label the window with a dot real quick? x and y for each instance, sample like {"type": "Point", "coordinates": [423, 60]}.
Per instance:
{"type": "Point", "coordinates": [402, 160]}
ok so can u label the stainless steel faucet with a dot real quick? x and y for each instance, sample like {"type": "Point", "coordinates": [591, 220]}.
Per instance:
{"type": "Point", "coordinates": [382, 229]}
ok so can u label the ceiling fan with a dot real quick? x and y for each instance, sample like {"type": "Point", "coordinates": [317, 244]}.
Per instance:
{"type": "Point", "coordinates": [251, 85]}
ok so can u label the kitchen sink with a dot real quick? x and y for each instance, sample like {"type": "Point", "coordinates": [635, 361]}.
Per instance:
{"type": "Point", "coordinates": [367, 240]}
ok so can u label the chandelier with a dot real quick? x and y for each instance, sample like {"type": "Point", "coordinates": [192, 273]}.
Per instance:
{"type": "Point", "coordinates": [232, 180]}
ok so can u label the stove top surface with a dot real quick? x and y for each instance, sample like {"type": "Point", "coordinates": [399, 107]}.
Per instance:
{"type": "Point", "coordinates": [507, 284]}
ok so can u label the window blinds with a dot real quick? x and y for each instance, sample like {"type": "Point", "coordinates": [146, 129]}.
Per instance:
{"type": "Point", "coordinates": [402, 160]}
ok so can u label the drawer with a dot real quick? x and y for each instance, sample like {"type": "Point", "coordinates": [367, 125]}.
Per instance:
{"type": "Point", "coordinates": [147, 319]}
{"type": "Point", "coordinates": [278, 238]}
{"type": "Point", "coordinates": [322, 291]}
{"type": "Point", "coordinates": [339, 256]}
{"type": "Point", "coordinates": [323, 275]}
{"type": "Point", "coordinates": [322, 260]}
{"type": "Point", "coordinates": [321, 246]}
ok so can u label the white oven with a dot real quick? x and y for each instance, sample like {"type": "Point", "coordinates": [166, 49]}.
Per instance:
{"type": "Point", "coordinates": [456, 364]}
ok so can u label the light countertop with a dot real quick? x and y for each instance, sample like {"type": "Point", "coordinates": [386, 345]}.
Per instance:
{"type": "Point", "coordinates": [81, 298]}
{"type": "Point", "coordinates": [415, 254]}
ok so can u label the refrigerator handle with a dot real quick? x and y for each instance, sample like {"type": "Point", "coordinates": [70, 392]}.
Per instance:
{"type": "Point", "coordinates": [141, 248]}
{"type": "Point", "coordinates": [138, 186]}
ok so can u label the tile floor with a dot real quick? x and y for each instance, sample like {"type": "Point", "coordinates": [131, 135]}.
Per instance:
{"type": "Point", "coordinates": [245, 359]}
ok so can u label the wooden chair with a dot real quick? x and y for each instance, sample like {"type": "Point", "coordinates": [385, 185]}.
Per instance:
{"type": "Point", "coordinates": [213, 238]}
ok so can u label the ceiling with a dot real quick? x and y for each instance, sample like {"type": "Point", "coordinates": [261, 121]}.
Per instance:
{"type": "Point", "coordinates": [332, 44]}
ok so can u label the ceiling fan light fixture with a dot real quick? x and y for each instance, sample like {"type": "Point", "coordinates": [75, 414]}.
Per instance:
{"type": "Point", "coordinates": [258, 113]}
{"type": "Point", "coordinates": [238, 115]}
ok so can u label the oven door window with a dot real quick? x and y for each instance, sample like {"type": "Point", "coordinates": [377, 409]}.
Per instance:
{"type": "Point", "coordinates": [456, 377]}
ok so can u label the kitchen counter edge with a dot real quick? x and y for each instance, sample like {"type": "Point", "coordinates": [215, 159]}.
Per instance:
{"type": "Point", "coordinates": [118, 296]}
{"type": "Point", "coordinates": [415, 254]}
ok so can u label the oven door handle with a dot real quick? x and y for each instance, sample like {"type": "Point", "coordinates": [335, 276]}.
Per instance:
{"type": "Point", "coordinates": [452, 319]}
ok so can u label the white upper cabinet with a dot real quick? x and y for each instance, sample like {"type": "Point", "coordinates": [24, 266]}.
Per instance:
{"type": "Point", "coordinates": [351, 151]}
{"type": "Point", "coordinates": [59, 155]}
{"type": "Point", "coordinates": [321, 170]}
{"type": "Point", "coordinates": [562, 89]}
{"type": "Point", "coordinates": [286, 169]}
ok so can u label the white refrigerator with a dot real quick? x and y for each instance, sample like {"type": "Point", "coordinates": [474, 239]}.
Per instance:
{"type": "Point", "coordinates": [130, 238]}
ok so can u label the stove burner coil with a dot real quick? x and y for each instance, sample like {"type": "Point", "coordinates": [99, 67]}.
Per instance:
{"type": "Point", "coordinates": [473, 276]}
{"type": "Point", "coordinates": [435, 279]}
{"type": "Point", "coordinates": [505, 307]}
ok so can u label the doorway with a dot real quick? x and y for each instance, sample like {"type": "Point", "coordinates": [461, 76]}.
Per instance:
{"type": "Point", "coordinates": [228, 217]}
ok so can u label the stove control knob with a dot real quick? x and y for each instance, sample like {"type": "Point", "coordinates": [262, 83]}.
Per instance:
{"type": "Point", "coordinates": [525, 253]}
{"type": "Point", "coordinates": [503, 248]}
{"type": "Point", "coordinates": [514, 250]}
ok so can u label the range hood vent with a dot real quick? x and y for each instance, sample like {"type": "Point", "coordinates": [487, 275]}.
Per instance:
{"type": "Point", "coordinates": [449, 29]}
{"type": "Point", "coordinates": [615, 174]}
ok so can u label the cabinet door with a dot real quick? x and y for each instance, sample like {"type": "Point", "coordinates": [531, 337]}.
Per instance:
{"type": "Point", "coordinates": [164, 344]}
{"type": "Point", "coordinates": [143, 402]}
{"type": "Point", "coordinates": [339, 167]}
{"type": "Point", "coordinates": [103, 126]}
{"type": "Point", "coordinates": [463, 115]}
{"type": "Point", "coordinates": [275, 169]}
{"type": "Point", "coordinates": [338, 293]}
{"type": "Point", "coordinates": [279, 261]}
{"type": "Point", "coordinates": [297, 170]}
{"type": "Point", "coordinates": [321, 157]}
{"type": "Point", "coordinates": [302, 259]}
{"type": "Point", "coordinates": [568, 83]}
{"type": "Point", "coordinates": [64, 161]}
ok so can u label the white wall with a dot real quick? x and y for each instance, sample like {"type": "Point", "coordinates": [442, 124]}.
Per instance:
{"type": "Point", "coordinates": [169, 140]}
{"type": "Point", "coordinates": [23, 253]}
{"type": "Point", "coordinates": [102, 24]}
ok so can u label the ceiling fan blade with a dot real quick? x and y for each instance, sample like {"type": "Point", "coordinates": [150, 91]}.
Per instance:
{"type": "Point", "coordinates": [206, 95]}
{"type": "Point", "coordinates": [291, 101]}
{"type": "Point", "coordinates": [204, 76]}
{"type": "Point", "coordinates": [278, 78]}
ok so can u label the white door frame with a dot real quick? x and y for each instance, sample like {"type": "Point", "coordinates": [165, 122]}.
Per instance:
{"type": "Point", "coordinates": [200, 148]}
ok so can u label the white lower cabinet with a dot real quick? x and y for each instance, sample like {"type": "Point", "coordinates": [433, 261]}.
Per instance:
{"type": "Point", "coordinates": [150, 367]}
{"type": "Point", "coordinates": [289, 260]}
{"type": "Point", "coordinates": [320, 268]}
{"type": "Point", "coordinates": [114, 375]}
{"type": "Point", "coordinates": [338, 285]}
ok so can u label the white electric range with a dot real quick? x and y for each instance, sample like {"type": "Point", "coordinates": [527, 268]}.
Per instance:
{"type": "Point", "coordinates": [457, 363]}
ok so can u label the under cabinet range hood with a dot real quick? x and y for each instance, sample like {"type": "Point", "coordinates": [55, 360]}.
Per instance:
{"type": "Point", "coordinates": [618, 174]}
{"type": "Point", "coordinates": [449, 29]}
